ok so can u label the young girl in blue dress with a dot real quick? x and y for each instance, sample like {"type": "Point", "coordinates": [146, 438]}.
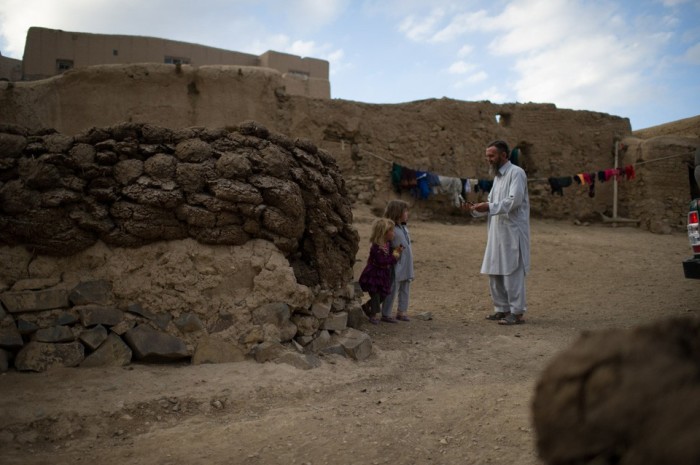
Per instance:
{"type": "Point", "coordinates": [397, 211]}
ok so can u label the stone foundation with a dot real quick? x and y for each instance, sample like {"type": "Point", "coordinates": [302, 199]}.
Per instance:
{"type": "Point", "coordinates": [185, 240]}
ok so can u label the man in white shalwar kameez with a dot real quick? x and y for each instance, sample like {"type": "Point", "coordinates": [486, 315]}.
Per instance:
{"type": "Point", "coordinates": [507, 255]}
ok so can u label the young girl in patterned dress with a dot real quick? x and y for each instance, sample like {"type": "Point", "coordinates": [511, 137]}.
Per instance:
{"type": "Point", "coordinates": [377, 277]}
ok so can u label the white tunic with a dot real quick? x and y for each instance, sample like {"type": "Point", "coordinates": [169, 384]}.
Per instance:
{"type": "Point", "coordinates": [508, 222]}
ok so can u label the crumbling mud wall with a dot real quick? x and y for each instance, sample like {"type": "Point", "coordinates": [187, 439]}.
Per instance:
{"type": "Point", "coordinates": [623, 396]}
{"type": "Point", "coordinates": [659, 196]}
{"type": "Point", "coordinates": [444, 136]}
{"type": "Point", "coordinates": [176, 241]}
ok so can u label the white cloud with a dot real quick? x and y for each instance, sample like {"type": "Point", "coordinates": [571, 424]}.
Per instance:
{"type": "Point", "coordinates": [465, 50]}
{"type": "Point", "coordinates": [460, 67]}
{"type": "Point", "coordinates": [672, 3]}
{"type": "Point", "coordinates": [279, 42]}
{"type": "Point", "coordinates": [17, 16]}
{"type": "Point", "coordinates": [310, 14]}
{"type": "Point", "coordinates": [337, 64]}
{"type": "Point", "coordinates": [569, 52]}
{"type": "Point", "coordinates": [491, 94]}
{"type": "Point", "coordinates": [475, 78]}
{"type": "Point", "coordinates": [460, 25]}
{"type": "Point", "coordinates": [594, 73]}
{"type": "Point", "coordinates": [302, 48]}
{"type": "Point", "coordinates": [534, 25]}
{"type": "Point", "coordinates": [692, 55]}
{"type": "Point", "coordinates": [229, 24]}
{"type": "Point", "coordinates": [421, 29]}
{"type": "Point", "coordinates": [175, 19]}
{"type": "Point", "coordinates": [574, 54]}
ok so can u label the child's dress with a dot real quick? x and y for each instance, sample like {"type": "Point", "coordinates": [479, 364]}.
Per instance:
{"type": "Point", "coordinates": [403, 273]}
{"type": "Point", "coordinates": [377, 277]}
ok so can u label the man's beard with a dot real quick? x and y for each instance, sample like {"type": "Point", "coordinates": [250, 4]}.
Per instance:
{"type": "Point", "coordinates": [492, 170]}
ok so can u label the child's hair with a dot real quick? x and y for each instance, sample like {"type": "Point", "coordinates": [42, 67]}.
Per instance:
{"type": "Point", "coordinates": [379, 229]}
{"type": "Point", "coordinates": [394, 209]}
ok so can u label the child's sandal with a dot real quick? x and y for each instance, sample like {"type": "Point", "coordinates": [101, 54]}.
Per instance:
{"type": "Point", "coordinates": [402, 317]}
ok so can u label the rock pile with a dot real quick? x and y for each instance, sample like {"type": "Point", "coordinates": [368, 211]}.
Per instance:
{"type": "Point", "coordinates": [140, 242]}
{"type": "Point", "coordinates": [623, 396]}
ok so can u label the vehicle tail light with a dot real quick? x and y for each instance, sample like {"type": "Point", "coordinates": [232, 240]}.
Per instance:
{"type": "Point", "coordinates": [694, 231]}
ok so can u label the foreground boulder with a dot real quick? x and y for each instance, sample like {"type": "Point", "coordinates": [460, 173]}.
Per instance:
{"type": "Point", "coordinates": [623, 397]}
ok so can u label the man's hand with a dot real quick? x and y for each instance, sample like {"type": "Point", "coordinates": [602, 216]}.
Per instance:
{"type": "Point", "coordinates": [482, 207]}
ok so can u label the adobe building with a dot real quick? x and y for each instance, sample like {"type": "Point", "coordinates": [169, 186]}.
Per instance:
{"type": "Point", "coordinates": [10, 69]}
{"type": "Point", "coordinates": [49, 52]}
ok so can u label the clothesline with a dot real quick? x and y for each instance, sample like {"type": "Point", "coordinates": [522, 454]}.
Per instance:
{"type": "Point", "coordinates": [662, 158]}
{"type": "Point", "coordinates": [547, 179]}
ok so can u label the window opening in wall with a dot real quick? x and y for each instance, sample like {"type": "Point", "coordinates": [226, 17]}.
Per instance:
{"type": "Point", "coordinates": [176, 60]}
{"type": "Point", "coordinates": [298, 74]}
{"type": "Point", "coordinates": [63, 65]}
{"type": "Point", "coordinates": [503, 119]}
{"type": "Point", "coordinates": [115, 52]}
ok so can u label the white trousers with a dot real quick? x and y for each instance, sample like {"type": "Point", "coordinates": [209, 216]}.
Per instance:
{"type": "Point", "coordinates": [508, 291]}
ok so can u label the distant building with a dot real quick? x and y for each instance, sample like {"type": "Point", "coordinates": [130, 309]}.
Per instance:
{"type": "Point", "coordinates": [10, 69]}
{"type": "Point", "coordinates": [48, 52]}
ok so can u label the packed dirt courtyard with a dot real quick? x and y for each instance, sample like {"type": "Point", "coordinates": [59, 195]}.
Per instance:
{"type": "Point", "coordinates": [453, 389]}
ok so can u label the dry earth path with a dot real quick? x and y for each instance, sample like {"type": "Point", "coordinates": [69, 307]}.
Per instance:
{"type": "Point", "coordinates": [454, 389]}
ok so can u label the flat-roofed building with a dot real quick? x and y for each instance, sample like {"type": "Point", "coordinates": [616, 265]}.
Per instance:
{"type": "Point", "coordinates": [49, 52]}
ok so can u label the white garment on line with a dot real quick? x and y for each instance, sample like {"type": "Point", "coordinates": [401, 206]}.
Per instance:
{"type": "Point", "coordinates": [453, 187]}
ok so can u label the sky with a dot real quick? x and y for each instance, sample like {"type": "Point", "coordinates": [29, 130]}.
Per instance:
{"type": "Point", "coordinates": [638, 59]}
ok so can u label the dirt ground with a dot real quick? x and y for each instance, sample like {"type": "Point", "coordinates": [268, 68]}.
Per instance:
{"type": "Point", "coordinates": [454, 389]}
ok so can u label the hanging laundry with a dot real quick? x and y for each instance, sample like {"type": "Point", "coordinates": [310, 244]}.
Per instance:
{"type": "Point", "coordinates": [433, 180]}
{"type": "Point", "coordinates": [396, 173]}
{"type": "Point", "coordinates": [483, 185]}
{"type": "Point", "coordinates": [422, 190]}
{"type": "Point", "coordinates": [453, 188]}
{"type": "Point", "coordinates": [629, 172]}
{"type": "Point", "coordinates": [591, 189]}
{"type": "Point", "coordinates": [408, 178]}
{"type": "Point", "coordinates": [558, 184]}
{"type": "Point", "coordinates": [610, 173]}
{"type": "Point", "coordinates": [466, 186]}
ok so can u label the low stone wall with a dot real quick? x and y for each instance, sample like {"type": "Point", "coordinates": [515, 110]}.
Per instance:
{"type": "Point", "coordinates": [139, 242]}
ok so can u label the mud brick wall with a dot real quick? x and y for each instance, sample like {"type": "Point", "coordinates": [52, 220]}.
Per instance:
{"type": "Point", "coordinates": [240, 234]}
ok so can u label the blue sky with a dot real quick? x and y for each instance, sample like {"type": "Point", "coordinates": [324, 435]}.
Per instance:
{"type": "Point", "coordinates": [635, 59]}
